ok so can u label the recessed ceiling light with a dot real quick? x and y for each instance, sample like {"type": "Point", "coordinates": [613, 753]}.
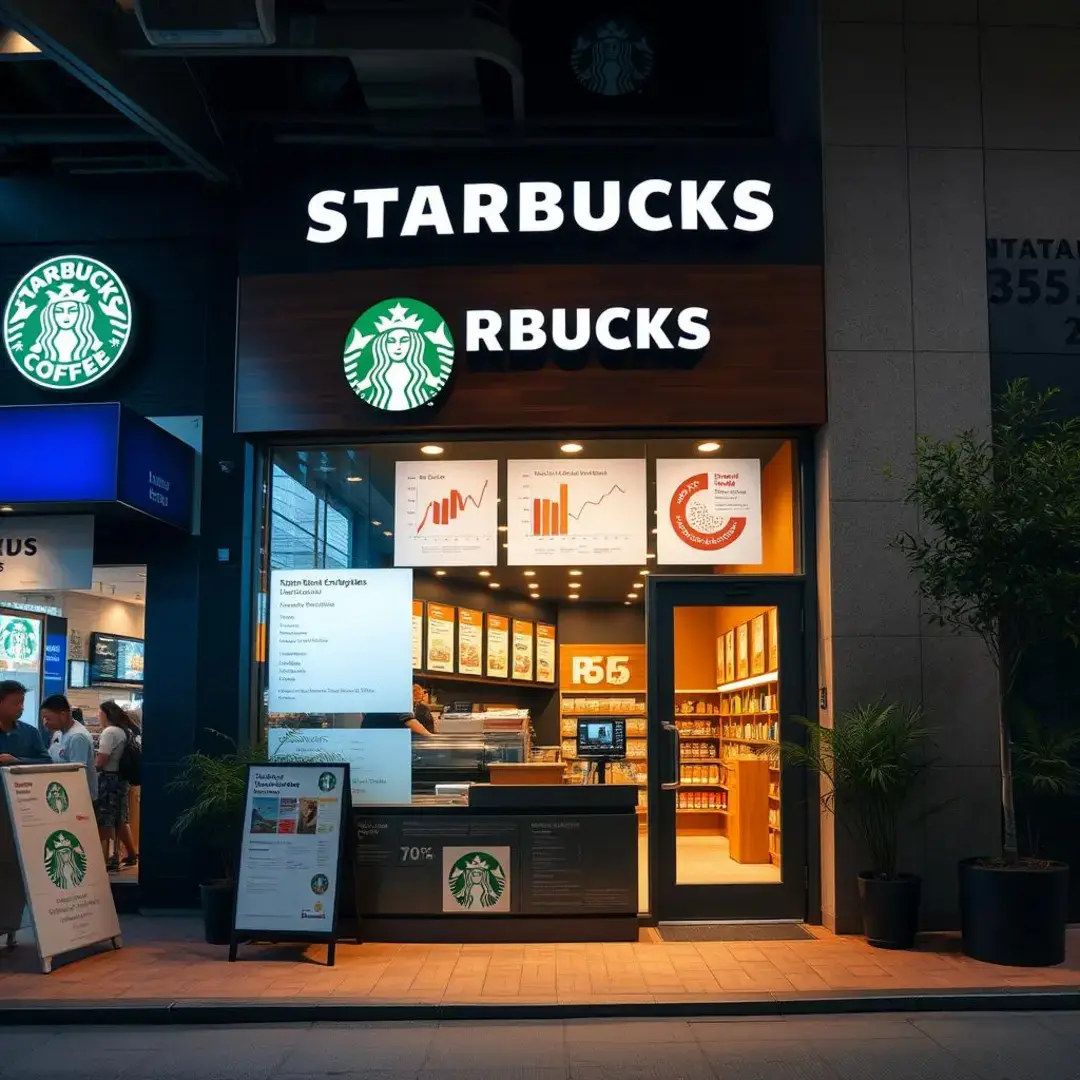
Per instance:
{"type": "Point", "coordinates": [575, 584]}
{"type": "Point", "coordinates": [571, 448]}
{"type": "Point", "coordinates": [494, 585]}
{"type": "Point", "coordinates": [644, 573]}
{"type": "Point", "coordinates": [530, 573]}
{"type": "Point", "coordinates": [709, 447]}
{"type": "Point", "coordinates": [502, 528]}
{"type": "Point", "coordinates": [376, 523]}
{"type": "Point", "coordinates": [650, 556]}
{"type": "Point", "coordinates": [638, 585]}
{"type": "Point", "coordinates": [631, 596]}
{"type": "Point", "coordinates": [440, 573]}
{"type": "Point", "coordinates": [575, 596]}
{"type": "Point", "coordinates": [353, 479]}
{"type": "Point", "coordinates": [431, 450]}
{"type": "Point", "coordinates": [387, 532]}
{"type": "Point", "coordinates": [575, 573]}
{"type": "Point", "coordinates": [626, 602]}
{"type": "Point", "coordinates": [485, 573]}
{"type": "Point", "coordinates": [7, 509]}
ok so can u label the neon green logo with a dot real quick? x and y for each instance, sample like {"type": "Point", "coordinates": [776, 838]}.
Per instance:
{"type": "Point", "coordinates": [67, 322]}
{"type": "Point", "coordinates": [398, 355]}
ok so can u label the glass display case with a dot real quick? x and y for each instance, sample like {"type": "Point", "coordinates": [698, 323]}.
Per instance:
{"type": "Point", "coordinates": [453, 759]}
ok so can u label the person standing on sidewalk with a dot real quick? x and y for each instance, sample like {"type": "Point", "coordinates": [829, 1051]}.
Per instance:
{"type": "Point", "coordinates": [20, 744]}
{"type": "Point", "coordinates": [111, 807]}
{"type": "Point", "coordinates": [71, 743]}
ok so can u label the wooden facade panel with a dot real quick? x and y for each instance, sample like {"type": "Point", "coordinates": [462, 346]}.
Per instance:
{"type": "Point", "coordinates": [764, 364]}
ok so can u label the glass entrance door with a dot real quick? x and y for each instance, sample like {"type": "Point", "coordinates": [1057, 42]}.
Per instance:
{"type": "Point", "coordinates": [727, 833]}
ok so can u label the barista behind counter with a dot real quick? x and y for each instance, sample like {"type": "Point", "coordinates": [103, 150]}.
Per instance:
{"type": "Point", "coordinates": [392, 722]}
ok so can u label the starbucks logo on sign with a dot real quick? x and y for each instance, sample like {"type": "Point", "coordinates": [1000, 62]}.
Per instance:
{"type": "Point", "coordinates": [399, 355]}
{"type": "Point", "coordinates": [65, 859]}
{"type": "Point", "coordinates": [56, 798]}
{"type": "Point", "coordinates": [612, 57]}
{"type": "Point", "coordinates": [18, 640]}
{"type": "Point", "coordinates": [327, 781]}
{"type": "Point", "coordinates": [67, 322]}
{"type": "Point", "coordinates": [477, 880]}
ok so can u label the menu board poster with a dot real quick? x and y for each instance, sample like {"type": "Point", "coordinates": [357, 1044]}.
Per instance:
{"type": "Point", "coordinates": [523, 649]}
{"type": "Point", "coordinates": [721, 658]}
{"type": "Point", "coordinates": [498, 647]}
{"type": "Point", "coordinates": [742, 656]}
{"type": "Point", "coordinates": [757, 645]}
{"type": "Point", "coordinates": [440, 638]}
{"type": "Point", "coordinates": [729, 656]}
{"type": "Point", "coordinates": [417, 634]}
{"type": "Point", "coordinates": [545, 653]}
{"type": "Point", "coordinates": [470, 642]}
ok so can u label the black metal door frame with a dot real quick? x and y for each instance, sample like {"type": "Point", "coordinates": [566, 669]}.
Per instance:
{"type": "Point", "coordinates": [667, 900]}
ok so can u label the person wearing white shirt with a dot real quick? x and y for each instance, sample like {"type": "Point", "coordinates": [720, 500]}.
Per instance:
{"type": "Point", "coordinates": [111, 807]}
{"type": "Point", "coordinates": [71, 743]}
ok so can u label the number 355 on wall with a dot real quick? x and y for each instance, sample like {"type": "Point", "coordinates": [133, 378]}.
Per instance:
{"type": "Point", "coordinates": [602, 667]}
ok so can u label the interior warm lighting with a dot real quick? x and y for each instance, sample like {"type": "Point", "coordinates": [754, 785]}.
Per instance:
{"type": "Point", "coordinates": [575, 596]}
{"type": "Point", "coordinates": [638, 585]}
{"type": "Point", "coordinates": [353, 479]}
{"type": "Point", "coordinates": [502, 528]}
{"type": "Point", "coordinates": [653, 531]}
{"type": "Point", "coordinates": [626, 602]}
{"type": "Point", "coordinates": [530, 573]}
{"type": "Point", "coordinates": [431, 450]}
{"type": "Point", "coordinates": [575, 573]}
{"type": "Point", "coordinates": [575, 584]}
{"type": "Point", "coordinates": [571, 448]}
{"type": "Point", "coordinates": [650, 555]}
{"type": "Point", "coordinates": [494, 585]}
{"type": "Point", "coordinates": [631, 596]}
{"type": "Point", "coordinates": [485, 573]}
{"type": "Point", "coordinates": [14, 44]}
{"type": "Point", "coordinates": [709, 447]}
{"type": "Point", "coordinates": [440, 573]}
{"type": "Point", "coordinates": [644, 573]}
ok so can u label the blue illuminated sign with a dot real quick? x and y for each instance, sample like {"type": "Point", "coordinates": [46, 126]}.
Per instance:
{"type": "Point", "coordinates": [55, 668]}
{"type": "Point", "coordinates": [58, 455]}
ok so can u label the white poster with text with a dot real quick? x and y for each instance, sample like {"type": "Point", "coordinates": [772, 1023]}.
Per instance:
{"type": "Point", "coordinates": [47, 553]}
{"type": "Point", "coordinates": [341, 641]}
{"type": "Point", "coordinates": [50, 818]}
{"type": "Point", "coordinates": [708, 512]}
{"type": "Point", "coordinates": [291, 847]}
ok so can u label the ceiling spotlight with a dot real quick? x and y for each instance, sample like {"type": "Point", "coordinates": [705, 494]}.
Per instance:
{"type": "Point", "coordinates": [650, 555]}
{"type": "Point", "coordinates": [709, 447]}
{"type": "Point", "coordinates": [575, 584]}
{"type": "Point", "coordinates": [440, 573]}
{"type": "Point", "coordinates": [430, 450]}
{"type": "Point", "coordinates": [494, 585]}
{"type": "Point", "coordinates": [631, 596]}
{"type": "Point", "coordinates": [375, 523]}
{"type": "Point", "coordinates": [485, 573]}
{"type": "Point", "coordinates": [387, 532]}
{"type": "Point", "coordinates": [530, 573]}
{"type": "Point", "coordinates": [575, 573]}
{"type": "Point", "coordinates": [502, 528]}
{"type": "Point", "coordinates": [626, 602]}
{"type": "Point", "coordinates": [575, 596]}
{"type": "Point", "coordinates": [638, 585]}
{"type": "Point", "coordinates": [644, 573]}
{"type": "Point", "coordinates": [571, 448]}
{"type": "Point", "coordinates": [353, 479]}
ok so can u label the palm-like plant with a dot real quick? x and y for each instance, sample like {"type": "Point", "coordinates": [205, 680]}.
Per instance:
{"type": "Point", "coordinates": [1044, 769]}
{"type": "Point", "coordinates": [871, 762]}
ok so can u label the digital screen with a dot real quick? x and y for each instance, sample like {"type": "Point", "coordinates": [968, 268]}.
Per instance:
{"type": "Point", "coordinates": [116, 659]}
{"type": "Point", "coordinates": [79, 675]}
{"type": "Point", "coordinates": [55, 663]}
{"type": "Point", "coordinates": [601, 738]}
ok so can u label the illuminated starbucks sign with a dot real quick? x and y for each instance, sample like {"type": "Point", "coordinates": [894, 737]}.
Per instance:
{"type": "Point", "coordinates": [67, 323]}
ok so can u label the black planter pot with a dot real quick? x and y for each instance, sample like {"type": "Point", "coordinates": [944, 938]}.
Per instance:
{"type": "Point", "coordinates": [217, 911]}
{"type": "Point", "coordinates": [1014, 916]}
{"type": "Point", "coordinates": [890, 909]}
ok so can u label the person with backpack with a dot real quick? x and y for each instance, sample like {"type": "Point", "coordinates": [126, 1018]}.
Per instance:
{"type": "Point", "coordinates": [118, 764]}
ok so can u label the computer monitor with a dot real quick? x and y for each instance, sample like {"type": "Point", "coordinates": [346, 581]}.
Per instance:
{"type": "Point", "coordinates": [601, 738]}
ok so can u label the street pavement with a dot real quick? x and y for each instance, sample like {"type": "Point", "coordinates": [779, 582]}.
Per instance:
{"type": "Point", "coordinates": [945, 1046]}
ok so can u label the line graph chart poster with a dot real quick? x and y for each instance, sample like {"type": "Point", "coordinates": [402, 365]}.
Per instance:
{"type": "Point", "coordinates": [446, 514]}
{"type": "Point", "coordinates": [708, 512]}
{"type": "Point", "coordinates": [591, 513]}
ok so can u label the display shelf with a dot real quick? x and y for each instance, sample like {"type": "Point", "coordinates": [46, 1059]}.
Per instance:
{"type": "Point", "coordinates": [741, 684]}
{"type": "Point", "coordinates": [698, 810]}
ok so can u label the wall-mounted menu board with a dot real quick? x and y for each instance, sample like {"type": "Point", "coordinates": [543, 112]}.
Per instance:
{"type": "Point", "coordinates": [523, 649]}
{"type": "Point", "coordinates": [440, 637]}
{"type": "Point", "coordinates": [470, 645]}
{"type": "Point", "coordinates": [545, 653]}
{"type": "Point", "coordinates": [115, 659]}
{"type": "Point", "coordinates": [417, 634]}
{"type": "Point", "coordinates": [498, 647]}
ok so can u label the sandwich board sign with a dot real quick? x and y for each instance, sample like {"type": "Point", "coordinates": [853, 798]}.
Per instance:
{"type": "Point", "coordinates": [291, 853]}
{"type": "Point", "coordinates": [51, 861]}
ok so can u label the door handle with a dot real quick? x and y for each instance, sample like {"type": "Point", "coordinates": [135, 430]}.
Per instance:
{"type": "Point", "coordinates": [669, 756]}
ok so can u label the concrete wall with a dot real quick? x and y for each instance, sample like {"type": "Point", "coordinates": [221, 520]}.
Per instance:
{"type": "Point", "coordinates": [936, 113]}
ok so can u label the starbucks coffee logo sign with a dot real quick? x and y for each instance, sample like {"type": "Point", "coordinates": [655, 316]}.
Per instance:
{"type": "Point", "coordinates": [18, 640]}
{"type": "Point", "coordinates": [67, 323]}
{"type": "Point", "coordinates": [477, 881]}
{"type": "Point", "coordinates": [612, 58]}
{"type": "Point", "coordinates": [65, 859]}
{"type": "Point", "coordinates": [56, 798]}
{"type": "Point", "coordinates": [398, 355]}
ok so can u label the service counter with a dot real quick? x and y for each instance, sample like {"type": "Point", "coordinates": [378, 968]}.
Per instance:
{"type": "Point", "coordinates": [516, 864]}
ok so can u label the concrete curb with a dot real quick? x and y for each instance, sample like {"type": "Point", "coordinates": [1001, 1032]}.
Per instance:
{"type": "Point", "coordinates": [213, 1012]}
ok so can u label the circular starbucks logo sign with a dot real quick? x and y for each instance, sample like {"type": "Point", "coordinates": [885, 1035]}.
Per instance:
{"type": "Point", "coordinates": [18, 640]}
{"type": "Point", "coordinates": [398, 355]}
{"type": "Point", "coordinates": [477, 880]}
{"type": "Point", "coordinates": [65, 859]}
{"type": "Point", "coordinates": [612, 57]}
{"type": "Point", "coordinates": [67, 322]}
{"type": "Point", "coordinates": [56, 798]}
{"type": "Point", "coordinates": [327, 781]}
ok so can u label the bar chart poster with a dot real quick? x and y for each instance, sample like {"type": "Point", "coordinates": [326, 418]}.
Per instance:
{"type": "Point", "coordinates": [708, 512]}
{"type": "Point", "coordinates": [523, 649]}
{"type": "Point", "coordinates": [446, 514]}
{"type": "Point", "coordinates": [545, 652]}
{"type": "Point", "coordinates": [498, 647]}
{"type": "Point", "coordinates": [591, 513]}
{"type": "Point", "coordinates": [470, 641]}
{"type": "Point", "coordinates": [440, 638]}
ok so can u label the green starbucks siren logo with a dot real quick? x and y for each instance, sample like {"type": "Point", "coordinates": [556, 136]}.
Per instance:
{"type": "Point", "coordinates": [56, 798]}
{"type": "Point", "coordinates": [65, 859]}
{"type": "Point", "coordinates": [66, 324]}
{"type": "Point", "coordinates": [477, 880]}
{"type": "Point", "coordinates": [18, 640]}
{"type": "Point", "coordinates": [399, 355]}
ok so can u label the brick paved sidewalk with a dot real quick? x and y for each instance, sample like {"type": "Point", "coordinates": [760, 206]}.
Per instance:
{"type": "Point", "coordinates": [164, 960]}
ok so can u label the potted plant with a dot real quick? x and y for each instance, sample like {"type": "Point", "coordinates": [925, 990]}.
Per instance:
{"type": "Point", "coordinates": [998, 555]}
{"type": "Point", "coordinates": [870, 762]}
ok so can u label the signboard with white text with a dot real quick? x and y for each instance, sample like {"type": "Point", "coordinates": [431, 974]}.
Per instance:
{"type": "Point", "coordinates": [290, 854]}
{"type": "Point", "coordinates": [46, 553]}
{"type": "Point", "coordinates": [48, 815]}
{"type": "Point", "coordinates": [341, 641]}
